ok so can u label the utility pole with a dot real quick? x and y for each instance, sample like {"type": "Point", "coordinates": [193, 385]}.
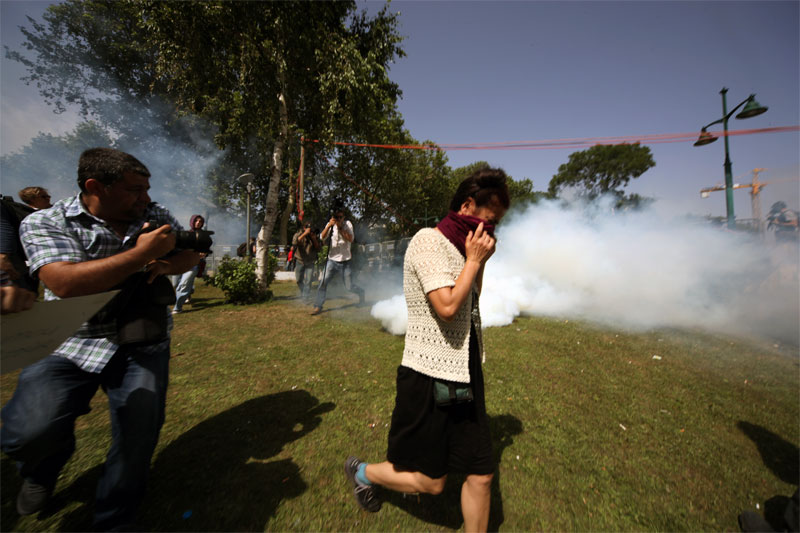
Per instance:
{"type": "Point", "coordinates": [247, 181]}
{"type": "Point", "coordinates": [300, 211]}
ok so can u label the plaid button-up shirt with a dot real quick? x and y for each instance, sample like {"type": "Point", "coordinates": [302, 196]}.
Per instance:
{"type": "Point", "coordinates": [68, 232]}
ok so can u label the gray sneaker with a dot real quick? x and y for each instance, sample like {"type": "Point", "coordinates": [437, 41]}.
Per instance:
{"type": "Point", "coordinates": [32, 497]}
{"type": "Point", "coordinates": [365, 494]}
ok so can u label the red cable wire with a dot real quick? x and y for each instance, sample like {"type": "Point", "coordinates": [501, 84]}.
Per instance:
{"type": "Point", "coordinates": [653, 138]}
{"type": "Point", "coordinates": [555, 144]}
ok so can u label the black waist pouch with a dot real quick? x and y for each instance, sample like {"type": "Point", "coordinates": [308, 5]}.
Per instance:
{"type": "Point", "coordinates": [140, 310]}
{"type": "Point", "coordinates": [450, 392]}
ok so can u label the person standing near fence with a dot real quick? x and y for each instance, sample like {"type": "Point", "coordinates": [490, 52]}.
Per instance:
{"type": "Point", "coordinates": [439, 424]}
{"type": "Point", "coordinates": [185, 284]}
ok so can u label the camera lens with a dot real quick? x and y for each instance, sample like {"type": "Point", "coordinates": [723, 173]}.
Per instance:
{"type": "Point", "coordinates": [197, 240]}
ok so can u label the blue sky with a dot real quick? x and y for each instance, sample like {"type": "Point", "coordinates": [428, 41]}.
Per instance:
{"type": "Point", "coordinates": [482, 72]}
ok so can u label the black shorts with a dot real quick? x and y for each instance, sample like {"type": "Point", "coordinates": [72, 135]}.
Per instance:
{"type": "Point", "coordinates": [436, 440]}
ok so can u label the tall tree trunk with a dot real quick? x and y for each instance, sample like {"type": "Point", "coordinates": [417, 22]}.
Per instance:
{"type": "Point", "coordinates": [271, 205]}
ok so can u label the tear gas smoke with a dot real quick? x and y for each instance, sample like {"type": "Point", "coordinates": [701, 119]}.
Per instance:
{"type": "Point", "coordinates": [392, 313]}
{"type": "Point", "coordinates": [633, 270]}
{"type": "Point", "coordinates": [179, 173]}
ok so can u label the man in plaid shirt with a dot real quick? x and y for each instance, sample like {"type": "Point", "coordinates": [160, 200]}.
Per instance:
{"type": "Point", "coordinates": [84, 245]}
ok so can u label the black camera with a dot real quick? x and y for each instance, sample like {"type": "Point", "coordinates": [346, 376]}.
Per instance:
{"type": "Point", "coordinates": [198, 240]}
{"type": "Point", "coordinates": [337, 207]}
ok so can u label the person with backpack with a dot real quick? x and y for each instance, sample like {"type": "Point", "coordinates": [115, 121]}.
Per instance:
{"type": "Point", "coordinates": [18, 289]}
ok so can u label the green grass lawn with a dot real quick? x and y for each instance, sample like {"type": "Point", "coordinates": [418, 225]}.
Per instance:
{"type": "Point", "coordinates": [591, 431]}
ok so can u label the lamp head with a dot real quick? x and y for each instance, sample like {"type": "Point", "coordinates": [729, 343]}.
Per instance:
{"type": "Point", "coordinates": [705, 138]}
{"type": "Point", "coordinates": [752, 108]}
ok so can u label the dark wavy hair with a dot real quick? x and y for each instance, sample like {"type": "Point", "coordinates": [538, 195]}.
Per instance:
{"type": "Point", "coordinates": [482, 185]}
{"type": "Point", "coordinates": [107, 165]}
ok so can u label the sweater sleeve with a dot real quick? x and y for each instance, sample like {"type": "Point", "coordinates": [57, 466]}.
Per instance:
{"type": "Point", "coordinates": [429, 262]}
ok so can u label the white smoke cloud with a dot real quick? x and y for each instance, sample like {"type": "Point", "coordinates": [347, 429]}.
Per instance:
{"type": "Point", "coordinates": [633, 270]}
{"type": "Point", "coordinates": [180, 173]}
{"type": "Point", "coordinates": [392, 313]}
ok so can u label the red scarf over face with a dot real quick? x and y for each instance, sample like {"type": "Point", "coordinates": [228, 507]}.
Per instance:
{"type": "Point", "coordinates": [456, 227]}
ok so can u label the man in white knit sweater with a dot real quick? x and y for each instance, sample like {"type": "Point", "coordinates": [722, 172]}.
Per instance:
{"type": "Point", "coordinates": [439, 423]}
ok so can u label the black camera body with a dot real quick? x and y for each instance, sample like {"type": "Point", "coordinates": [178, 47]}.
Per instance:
{"type": "Point", "coordinates": [198, 240]}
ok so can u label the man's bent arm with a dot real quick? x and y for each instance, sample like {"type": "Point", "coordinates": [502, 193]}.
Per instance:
{"type": "Point", "coordinates": [67, 280]}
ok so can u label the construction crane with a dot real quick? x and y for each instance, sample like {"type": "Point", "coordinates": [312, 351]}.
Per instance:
{"type": "Point", "coordinates": [756, 187]}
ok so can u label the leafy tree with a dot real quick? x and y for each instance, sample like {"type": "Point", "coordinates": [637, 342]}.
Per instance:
{"type": "Point", "coordinates": [602, 169]}
{"type": "Point", "coordinates": [520, 191]}
{"type": "Point", "coordinates": [94, 55]}
{"type": "Point", "coordinates": [633, 201]}
{"type": "Point", "coordinates": [262, 73]}
{"type": "Point", "coordinates": [273, 71]}
{"type": "Point", "coordinates": [398, 191]}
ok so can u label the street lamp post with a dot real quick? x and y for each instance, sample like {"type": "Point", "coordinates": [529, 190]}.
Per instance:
{"type": "Point", "coordinates": [752, 109]}
{"type": "Point", "coordinates": [247, 181]}
{"type": "Point", "coordinates": [424, 220]}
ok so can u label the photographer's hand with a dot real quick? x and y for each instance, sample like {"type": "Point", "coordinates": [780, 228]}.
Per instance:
{"type": "Point", "coordinates": [157, 268]}
{"type": "Point", "coordinates": [328, 227]}
{"type": "Point", "coordinates": [8, 267]}
{"type": "Point", "coordinates": [156, 243]}
{"type": "Point", "coordinates": [14, 299]}
{"type": "Point", "coordinates": [174, 264]}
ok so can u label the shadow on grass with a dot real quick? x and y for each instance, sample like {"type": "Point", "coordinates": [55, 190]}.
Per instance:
{"type": "Point", "coordinates": [199, 304]}
{"type": "Point", "coordinates": [218, 476]}
{"type": "Point", "coordinates": [780, 456]}
{"type": "Point", "coordinates": [445, 509]}
{"type": "Point", "coordinates": [284, 298]}
{"type": "Point", "coordinates": [340, 307]}
{"type": "Point", "coordinates": [81, 491]}
{"type": "Point", "coordinates": [221, 475]}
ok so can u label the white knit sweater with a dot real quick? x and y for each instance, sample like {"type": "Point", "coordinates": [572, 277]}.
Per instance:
{"type": "Point", "coordinates": [434, 347]}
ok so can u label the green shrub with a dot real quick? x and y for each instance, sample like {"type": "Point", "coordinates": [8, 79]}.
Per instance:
{"type": "Point", "coordinates": [237, 279]}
